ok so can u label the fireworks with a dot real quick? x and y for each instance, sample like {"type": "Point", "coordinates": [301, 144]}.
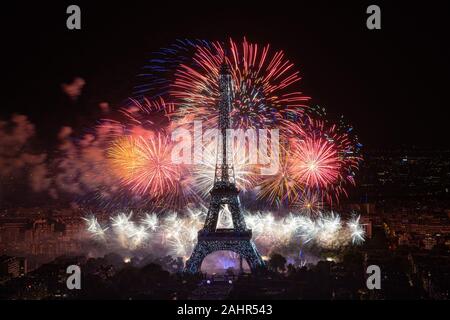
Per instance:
{"type": "Point", "coordinates": [180, 85]}
{"type": "Point", "coordinates": [176, 234]}
{"type": "Point", "coordinates": [203, 172]}
{"type": "Point", "coordinates": [315, 162]}
{"type": "Point", "coordinates": [180, 233]}
{"type": "Point", "coordinates": [143, 118]}
{"type": "Point", "coordinates": [154, 172]}
{"type": "Point", "coordinates": [124, 157]}
{"type": "Point", "coordinates": [128, 233]}
{"type": "Point", "coordinates": [323, 157]}
{"type": "Point", "coordinates": [280, 187]}
{"type": "Point", "coordinates": [146, 167]}
{"type": "Point", "coordinates": [263, 85]}
{"type": "Point", "coordinates": [357, 232]}
{"type": "Point", "coordinates": [325, 231]}
{"type": "Point", "coordinates": [309, 203]}
{"type": "Point", "coordinates": [151, 221]}
{"type": "Point", "coordinates": [155, 79]}
{"type": "Point", "coordinates": [318, 158]}
{"type": "Point", "coordinates": [95, 229]}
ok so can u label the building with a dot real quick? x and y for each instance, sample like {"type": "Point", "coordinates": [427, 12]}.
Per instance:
{"type": "Point", "coordinates": [12, 267]}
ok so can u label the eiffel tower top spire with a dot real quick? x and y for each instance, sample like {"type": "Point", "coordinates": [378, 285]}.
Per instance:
{"type": "Point", "coordinates": [225, 89]}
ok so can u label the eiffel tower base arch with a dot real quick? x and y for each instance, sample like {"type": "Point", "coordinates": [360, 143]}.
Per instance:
{"type": "Point", "coordinates": [245, 248]}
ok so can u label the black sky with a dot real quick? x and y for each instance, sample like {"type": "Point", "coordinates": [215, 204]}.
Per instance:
{"type": "Point", "coordinates": [392, 84]}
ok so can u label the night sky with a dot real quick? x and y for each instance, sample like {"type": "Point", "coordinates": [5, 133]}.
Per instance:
{"type": "Point", "coordinates": [391, 84]}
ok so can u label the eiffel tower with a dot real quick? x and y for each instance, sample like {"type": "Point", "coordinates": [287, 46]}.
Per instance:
{"type": "Point", "coordinates": [224, 193]}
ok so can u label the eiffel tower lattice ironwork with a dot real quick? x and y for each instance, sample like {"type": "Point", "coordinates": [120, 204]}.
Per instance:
{"type": "Point", "coordinates": [224, 193]}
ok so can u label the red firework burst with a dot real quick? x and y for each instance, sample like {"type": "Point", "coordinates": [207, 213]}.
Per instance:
{"type": "Point", "coordinates": [315, 162]}
{"type": "Point", "coordinates": [323, 157]}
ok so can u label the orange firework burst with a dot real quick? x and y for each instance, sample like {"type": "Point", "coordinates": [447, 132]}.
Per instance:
{"type": "Point", "coordinates": [123, 157]}
{"type": "Point", "coordinates": [146, 167]}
